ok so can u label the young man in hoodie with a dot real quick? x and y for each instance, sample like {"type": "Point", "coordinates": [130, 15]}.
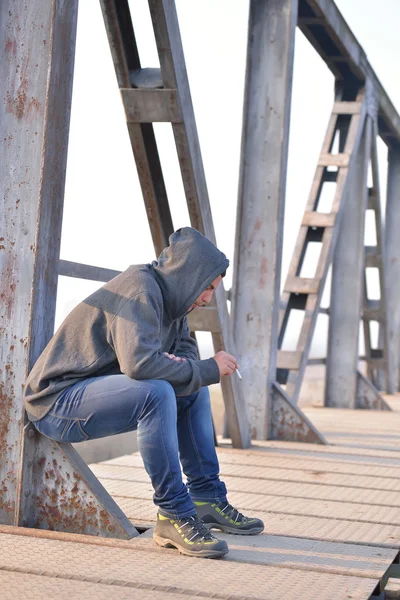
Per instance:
{"type": "Point", "coordinates": [123, 360]}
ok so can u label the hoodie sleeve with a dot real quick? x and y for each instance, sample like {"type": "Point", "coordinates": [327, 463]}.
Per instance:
{"type": "Point", "coordinates": [135, 336]}
{"type": "Point", "coordinates": [187, 347]}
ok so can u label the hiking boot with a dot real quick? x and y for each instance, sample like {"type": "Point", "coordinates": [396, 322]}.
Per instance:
{"type": "Point", "coordinates": [223, 516]}
{"type": "Point", "coordinates": [190, 536]}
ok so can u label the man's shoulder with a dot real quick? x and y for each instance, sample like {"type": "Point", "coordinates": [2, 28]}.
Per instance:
{"type": "Point", "coordinates": [136, 279]}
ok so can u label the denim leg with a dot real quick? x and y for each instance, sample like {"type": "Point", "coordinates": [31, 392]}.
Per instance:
{"type": "Point", "coordinates": [158, 445]}
{"type": "Point", "coordinates": [196, 446]}
{"type": "Point", "coordinates": [103, 406]}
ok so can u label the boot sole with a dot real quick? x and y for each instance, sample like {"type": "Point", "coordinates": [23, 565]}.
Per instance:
{"type": "Point", "coordinates": [232, 531]}
{"type": "Point", "coordinates": [167, 543]}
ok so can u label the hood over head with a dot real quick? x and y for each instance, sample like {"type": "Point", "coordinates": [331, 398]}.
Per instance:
{"type": "Point", "coordinates": [186, 268]}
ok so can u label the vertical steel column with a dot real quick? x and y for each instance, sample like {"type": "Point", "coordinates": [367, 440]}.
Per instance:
{"type": "Point", "coordinates": [38, 47]}
{"type": "Point", "coordinates": [261, 201]}
{"type": "Point", "coordinates": [392, 258]}
{"type": "Point", "coordinates": [42, 484]}
{"type": "Point", "coordinates": [346, 292]}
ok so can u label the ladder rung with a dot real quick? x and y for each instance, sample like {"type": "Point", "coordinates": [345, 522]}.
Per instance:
{"type": "Point", "coordinates": [373, 311]}
{"type": "Point", "coordinates": [347, 108]}
{"type": "Point", "coordinates": [376, 353]}
{"type": "Point", "coordinates": [151, 106]}
{"type": "Point", "coordinates": [375, 363]}
{"type": "Point", "coordinates": [301, 285]}
{"type": "Point", "coordinates": [372, 199]}
{"type": "Point", "coordinates": [315, 219]}
{"type": "Point", "coordinates": [372, 257]}
{"type": "Point", "coordinates": [288, 360]}
{"type": "Point", "coordinates": [334, 160]}
{"type": "Point", "coordinates": [330, 176]}
{"type": "Point", "coordinates": [204, 319]}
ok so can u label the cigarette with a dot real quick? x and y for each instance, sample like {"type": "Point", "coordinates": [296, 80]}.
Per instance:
{"type": "Point", "coordinates": [239, 375]}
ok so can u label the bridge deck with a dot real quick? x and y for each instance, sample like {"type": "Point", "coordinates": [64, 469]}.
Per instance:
{"type": "Point", "coordinates": [331, 515]}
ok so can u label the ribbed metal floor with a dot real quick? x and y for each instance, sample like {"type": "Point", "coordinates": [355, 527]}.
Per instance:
{"type": "Point", "coordinates": [50, 566]}
{"type": "Point", "coordinates": [332, 528]}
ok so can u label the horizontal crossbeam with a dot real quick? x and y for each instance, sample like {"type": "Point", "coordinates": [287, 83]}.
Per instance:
{"type": "Point", "coordinates": [151, 105]}
{"type": "Point", "coordinates": [204, 319]}
{"type": "Point", "coordinates": [68, 268]}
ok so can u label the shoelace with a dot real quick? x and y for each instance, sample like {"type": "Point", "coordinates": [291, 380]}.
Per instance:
{"type": "Point", "coordinates": [195, 524]}
{"type": "Point", "coordinates": [232, 513]}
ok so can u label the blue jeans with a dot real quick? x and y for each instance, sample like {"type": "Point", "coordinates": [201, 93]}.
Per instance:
{"type": "Point", "coordinates": [171, 429]}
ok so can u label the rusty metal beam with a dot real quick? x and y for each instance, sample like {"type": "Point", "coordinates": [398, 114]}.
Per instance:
{"type": "Point", "coordinates": [36, 73]}
{"type": "Point", "coordinates": [60, 492]}
{"type": "Point", "coordinates": [288, 423]}
{"type": "Point", "coordinates": [36, 70]}
{"type": "Point", "coordinates": [367, 396]}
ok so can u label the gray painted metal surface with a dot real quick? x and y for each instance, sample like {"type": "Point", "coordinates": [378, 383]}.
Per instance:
{"type": "Point", "coordinates": [338, 47]}
{"type": "Point", "coordinates": [345, 304]}
{"type": "Point", "coordinates": [367, 396]}
{"type": "Point", "coordinates": [36, 69]}
{"type": "Point", "coordinates": [81, 271]}
{"type": "Point", "coordinates": [379, 359]}
{"type": "Point", "coordinates": [392, 258]}
{"type": "Point", "coordinates": [261, 202]}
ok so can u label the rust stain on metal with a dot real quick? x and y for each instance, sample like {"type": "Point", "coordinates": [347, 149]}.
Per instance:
{"type": "Point", "coordinates": [6, 403]}
{"type": "Point", "coordinates": [263, 272]}
{"type": "Point", "coordinates": [286, 427]}
{"type": "Point", "coordinates": [62, 503]}
{"type": "Point", "coordinates": [17, 101]}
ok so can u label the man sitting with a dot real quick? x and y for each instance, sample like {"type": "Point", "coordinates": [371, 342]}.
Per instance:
{"type": "Point", "coordinates": [123, 360]}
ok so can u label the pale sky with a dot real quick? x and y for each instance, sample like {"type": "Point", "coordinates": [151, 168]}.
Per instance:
{"type": "Point", "coordinates": [105, 222]}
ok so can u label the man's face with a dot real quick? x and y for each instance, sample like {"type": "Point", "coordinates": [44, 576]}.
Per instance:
{"type": "Point", "coordinates": [205, 297]}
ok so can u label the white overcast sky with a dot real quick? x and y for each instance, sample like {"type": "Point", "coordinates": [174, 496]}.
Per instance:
{"type": "Point", "coordinates": [105, 222]}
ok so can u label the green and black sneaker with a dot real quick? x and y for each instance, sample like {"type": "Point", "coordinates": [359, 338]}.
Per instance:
{"type": "Point", "coordinates": [223, 516]}
{"type": "Point", "coordinates": [190, 536]}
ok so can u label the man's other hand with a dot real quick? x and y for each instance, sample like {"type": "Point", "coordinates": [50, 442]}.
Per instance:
{"type": "Point", "coordinates": [226, 363]}
{"type": "Point", "coordinates": [175, 358]}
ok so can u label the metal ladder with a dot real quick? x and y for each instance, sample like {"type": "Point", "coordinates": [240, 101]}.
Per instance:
{"type": "Point", "coordinates": [300, 293]}
{"type": "Point", "coordinates": [163, 95]}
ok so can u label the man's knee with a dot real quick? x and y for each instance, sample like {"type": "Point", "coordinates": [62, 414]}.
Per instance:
{"type": "Point", "coordinates": [162, 394]}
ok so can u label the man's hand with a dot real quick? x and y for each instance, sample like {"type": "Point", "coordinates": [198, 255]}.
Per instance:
{"type": "Point", "coordinates": [175, 358]}
{"type": "Point", "coordinates": [226, 363]}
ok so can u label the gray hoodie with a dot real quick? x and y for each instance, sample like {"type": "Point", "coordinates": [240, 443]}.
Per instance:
{"type": "Point", "coordinates": [126, 325]}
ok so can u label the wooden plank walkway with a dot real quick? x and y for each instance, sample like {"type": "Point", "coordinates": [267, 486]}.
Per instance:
{"type": "Point", "coordinates": [331, 515]}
